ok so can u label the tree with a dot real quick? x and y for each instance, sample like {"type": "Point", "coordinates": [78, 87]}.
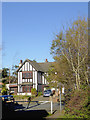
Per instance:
{"type": "Point", "coordinates": [5, 75]}
{"type": "Point", "coordinates": [51, 77]}
{"type": "Point", "coordinates": [4, 91]}
{"type": "Point", "coordinates": [72, 46]}
{"type": "Point", "coordinates": [5, 72]}
{"type": "Point", "coordinates": [14, 73]}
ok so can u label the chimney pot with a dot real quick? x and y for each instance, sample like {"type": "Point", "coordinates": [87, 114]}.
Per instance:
{"type": "Point", "coordinates": [46, 60]}
{"type": "Point", "coordinates": [20, 61]}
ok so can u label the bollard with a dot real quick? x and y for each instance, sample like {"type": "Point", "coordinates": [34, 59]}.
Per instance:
{"type": "Point", "coordinates": [51, 104]}
{"type": "Point", "coordinates": [51, 107]}
{"type": "Point", "coordinates": [60, 102]}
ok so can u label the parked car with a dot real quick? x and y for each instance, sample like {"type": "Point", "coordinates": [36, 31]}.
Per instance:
{"type": "Point", "coordinates": [47, 93]}
{"type": "Point", "coordinates": [7, 98]}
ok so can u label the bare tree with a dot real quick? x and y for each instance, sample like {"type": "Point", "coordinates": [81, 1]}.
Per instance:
{"type": "Point", "coordinates": [73, 45]}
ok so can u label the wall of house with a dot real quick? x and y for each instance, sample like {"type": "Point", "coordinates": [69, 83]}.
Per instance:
{"type": "Point", "coordinates": [37, 81]}
{"type": "Point", "coordinates": [27, 67]}
{"type": "Point", "coordinates": [41, 81]}
{"type": "Point", "coordinates": [41, 78]}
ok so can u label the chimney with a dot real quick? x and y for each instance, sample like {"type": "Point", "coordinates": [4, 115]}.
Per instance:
{"type": "Point", "coordinates": [46, 60]}
{"type": "Point", "coordinates": [20, 63]}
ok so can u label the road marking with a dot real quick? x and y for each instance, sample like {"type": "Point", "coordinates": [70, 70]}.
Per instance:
{"type": "Point", "coordinates": [44, 102]}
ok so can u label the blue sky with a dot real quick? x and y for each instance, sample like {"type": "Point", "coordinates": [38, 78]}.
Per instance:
{"type": "Point", "coordinates": [29, 28]}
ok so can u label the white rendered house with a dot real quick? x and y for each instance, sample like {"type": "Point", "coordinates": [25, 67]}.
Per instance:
{"type": "Point", "coordinates": [31, 75]}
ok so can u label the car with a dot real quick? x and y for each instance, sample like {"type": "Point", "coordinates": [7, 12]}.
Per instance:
{"type": "Point", "coordinates": [7, 98]}
{"type": "Point", "coordinates": [47, 93]}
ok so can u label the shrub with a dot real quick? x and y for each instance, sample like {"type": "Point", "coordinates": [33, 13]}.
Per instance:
{"type": "Point", "coordinates": [4, 91]}
{"type": "Point", "coordinates": [78, 105]}
{"type": "Point", "coordinates": [33, 91]}
{"type": "Point", "coordinates": [39, 93]}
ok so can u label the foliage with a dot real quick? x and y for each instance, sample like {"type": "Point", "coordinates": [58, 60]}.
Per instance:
{"type": "Point", "coordinates": [78, 106]}
{"type": "Point", "coordinates": [14, 73]}
{"type": "Point", "coordinates": [70, 51]}
{"type": "Point", "coordinates": [40, 93]}
{"type": "Point", "coordinates": [14, 68]}
{"type": "Point", "coordinates": [51, 77]}
{"type": "Point", "coordinates": [34, 60]}
{"type": "Point", "coordinates": [4, 91]}
{"type": "Point", "coordinates": [5, 72]}
{"type": "Point", "coordinates": [5, 76]}
{"type": "Point", "coordinates": [33, 91]}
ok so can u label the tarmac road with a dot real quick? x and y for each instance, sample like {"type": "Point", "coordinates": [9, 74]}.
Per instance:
{"type": "Point", "coordinates": [37, 111]}
{"type": "Point", "coordinates": [44, 104]}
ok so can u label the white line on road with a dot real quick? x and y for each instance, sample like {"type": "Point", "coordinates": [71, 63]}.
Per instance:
{"type": "Point", "coordinates": [44, 102]}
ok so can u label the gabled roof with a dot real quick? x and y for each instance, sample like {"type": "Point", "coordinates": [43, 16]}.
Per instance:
{"type": "Point", "coordinates": [43, 67]}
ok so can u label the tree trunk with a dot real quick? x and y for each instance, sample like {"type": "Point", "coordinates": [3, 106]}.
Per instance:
{"type": "Point", "coordinates": [77, 83]}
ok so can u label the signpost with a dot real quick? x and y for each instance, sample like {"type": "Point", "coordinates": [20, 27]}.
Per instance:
{"type": "Point", "coordinates": [60, 101]}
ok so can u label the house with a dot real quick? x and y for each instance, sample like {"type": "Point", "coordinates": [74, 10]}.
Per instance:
{"type": "Point", "coordinates": [32, 75]}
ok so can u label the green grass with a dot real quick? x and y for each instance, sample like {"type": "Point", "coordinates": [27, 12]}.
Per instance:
{"type": "Point", "coordinates": [21, 96]}
{"type": "Point", "coordinates": [49, 114]}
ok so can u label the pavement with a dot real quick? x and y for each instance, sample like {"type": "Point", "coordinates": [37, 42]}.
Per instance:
{"type": "Point", "coordinates": [57, 115]}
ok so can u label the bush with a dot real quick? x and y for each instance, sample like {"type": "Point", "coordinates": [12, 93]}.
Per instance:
{"type": "Point", "coordinates": [4, 91]}
{"type": "Point", "coordinates": [33, 91]}
{"type": "Point", "coordinates": [78, 105]}
{"type": "Point", "coordinates": [39, 93]}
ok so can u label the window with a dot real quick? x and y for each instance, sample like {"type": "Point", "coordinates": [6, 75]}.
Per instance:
{"type": "Point", "coordinates": [27, 88]}
{"type": "Point", "coordinates": [12, 89]}
{"type": "Point", "coordinates": [27, 75]}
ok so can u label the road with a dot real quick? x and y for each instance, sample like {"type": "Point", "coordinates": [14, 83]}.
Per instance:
{"type": "Point", "coordinates": [44, 104]}
{"type": "Point", "coordinates": [37, 111]}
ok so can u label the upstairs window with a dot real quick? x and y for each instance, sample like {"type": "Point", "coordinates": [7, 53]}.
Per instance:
{"type": "Point", "coordinates": [27, 75]}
